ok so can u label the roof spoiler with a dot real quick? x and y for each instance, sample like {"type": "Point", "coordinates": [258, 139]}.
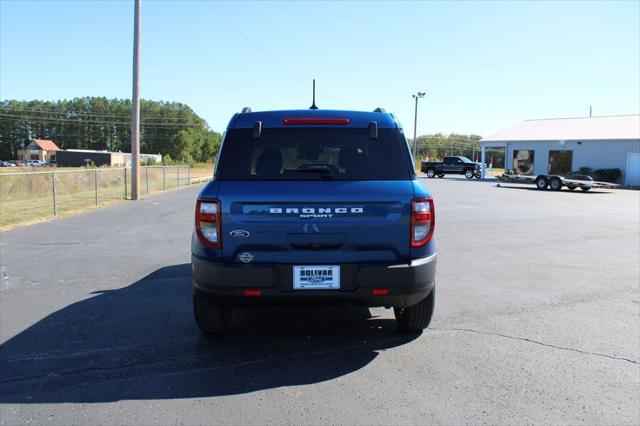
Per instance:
{"type": "Point", "coordinates": [379, 110]}
{"type": "Point", "coordinates": [245, 110]}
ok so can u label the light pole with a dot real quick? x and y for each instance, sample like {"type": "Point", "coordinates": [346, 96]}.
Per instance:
{"type": "Point", "coordinates": [416, 96]}
{"type": "Point", "coordinates": [135, 106]}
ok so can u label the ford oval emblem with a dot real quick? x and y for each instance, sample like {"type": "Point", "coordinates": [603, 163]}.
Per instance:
{"type": "Point", "coordinates": [239, 233]}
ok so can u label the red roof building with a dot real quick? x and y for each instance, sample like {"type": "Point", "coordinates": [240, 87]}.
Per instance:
{"type": "Point", "coordinates": [44, 144]}
{"type": "Point", "coordinates": [39, 149]}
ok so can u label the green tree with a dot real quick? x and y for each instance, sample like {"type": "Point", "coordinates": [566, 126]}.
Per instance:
{"type": "Point", "coordinates": [99, 123]}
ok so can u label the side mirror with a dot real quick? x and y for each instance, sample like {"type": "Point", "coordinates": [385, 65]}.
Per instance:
{"type": "Point", "coordinates": [257, 129]}
{"type": "Point", "coordinates": [373, 129]}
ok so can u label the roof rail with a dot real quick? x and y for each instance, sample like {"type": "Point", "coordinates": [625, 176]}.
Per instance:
{"type": "Point", "coordinates": [379, 110]}
{"type": "Point", "coordinates": [245, 110]}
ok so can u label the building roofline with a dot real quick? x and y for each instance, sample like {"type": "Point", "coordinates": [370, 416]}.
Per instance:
{"type": "Point", "coordinates": [556, 140]}
{"type": "Point", "coordinates": [581, 118]}
{"type": "Point", "coordinates": [608, 127]}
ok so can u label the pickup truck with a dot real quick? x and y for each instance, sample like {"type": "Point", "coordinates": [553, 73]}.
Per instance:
{"type": "Point", "coordinates": [452, 165]}
{"type": "Point", "coordinates": [314, 207]}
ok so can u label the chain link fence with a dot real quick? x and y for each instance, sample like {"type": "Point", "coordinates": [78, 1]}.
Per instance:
{"type": "Point", "coordinates": [35, 195]}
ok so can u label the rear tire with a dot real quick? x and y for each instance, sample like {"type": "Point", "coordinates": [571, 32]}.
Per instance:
{"type": "Point", "coordinates": [469, 173]}
{"type": "Point", "coordinates": [542, 182]}
{"type": "Point", "coordinates": [431, 173]}
{"type": "Point", "coordinates": [418, 316]}
{"type": "Point", "coordinates": [211, 318]}
{"type": "Point", "coordinates": [555, 184]}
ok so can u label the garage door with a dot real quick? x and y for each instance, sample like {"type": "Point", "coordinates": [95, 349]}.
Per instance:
{"type": "Point", "coordinates": [633, 169]}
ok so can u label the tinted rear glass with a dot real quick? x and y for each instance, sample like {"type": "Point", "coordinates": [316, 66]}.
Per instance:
{"type": "Point", "coordinates": [312, 154]}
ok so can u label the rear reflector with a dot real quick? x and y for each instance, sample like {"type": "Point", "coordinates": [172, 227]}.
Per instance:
{"type": "Point", "coordinates": [380, 291]}
{"type": "Point", "coordinates": [253, 292]}
{"type": "Point", "coordinates": [315, 120]}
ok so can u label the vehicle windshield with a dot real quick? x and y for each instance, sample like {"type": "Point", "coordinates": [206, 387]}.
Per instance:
{"type": "Point", "coordinates": [313, 154]}
{"type": "Point", "coordinates": [465, 160]}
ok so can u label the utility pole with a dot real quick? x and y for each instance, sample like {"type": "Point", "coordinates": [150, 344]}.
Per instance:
{"type": "Point", "coordinates": [135, 106]}
{"type": "Point", "coordinates": [416, 96]}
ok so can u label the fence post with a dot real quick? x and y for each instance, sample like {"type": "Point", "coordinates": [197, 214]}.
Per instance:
{"type": "Point", "coordinates": [146, 177]}
{"type": "Point", "coordinates": [95, 182]}
{"type": "Point", "coordinates": [188, 175]}
{"type": "Point", "coordinates": [178, 172]}
{"type": "Point", "coordinates": [125, 182]}
{"type": "Point", "coordinates": [53, 190]}
{"type": "Point", "coordinates": [164, 181]}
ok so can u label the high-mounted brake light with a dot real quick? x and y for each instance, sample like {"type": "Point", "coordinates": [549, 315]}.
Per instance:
{"type": "Point", "coordinates": [208, 222]}
{"type": "Point", "coordinates": [423, 221]}
{"type": "Point", "coordinates": [315, 120]}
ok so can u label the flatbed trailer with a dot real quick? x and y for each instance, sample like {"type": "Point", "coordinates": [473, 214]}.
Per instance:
{"type": "Point", "coordinates": [555, 182]}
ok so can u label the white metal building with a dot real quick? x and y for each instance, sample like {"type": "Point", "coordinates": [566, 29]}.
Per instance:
{"type": "Point", "coordinates": [562, 145]}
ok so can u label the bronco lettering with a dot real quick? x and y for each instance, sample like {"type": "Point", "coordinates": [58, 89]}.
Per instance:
{"type": "Point", "coordinates": [314, 210]}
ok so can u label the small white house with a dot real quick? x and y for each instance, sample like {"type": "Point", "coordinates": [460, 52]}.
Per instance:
{"type": "Point", "coordinates": [561, 145]}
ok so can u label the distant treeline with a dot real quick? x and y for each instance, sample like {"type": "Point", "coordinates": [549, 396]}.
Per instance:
{"type": "Point", "coordinates": [168, 128]}
{"type": "Point", "coordinates": [438, 146]}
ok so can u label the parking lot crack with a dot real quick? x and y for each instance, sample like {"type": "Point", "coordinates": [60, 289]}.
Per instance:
{"type": "Point", "coordinates": [537, 342]}
{"type": "Point", "coordinates": [85, 370]}
{"type": "Point", "coordinates": [160, 361]}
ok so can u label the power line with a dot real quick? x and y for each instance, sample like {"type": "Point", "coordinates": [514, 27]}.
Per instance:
{"type": "Point", "coordinates": [93, 122]}
{"type": "Point", "coordinates": [67, 113]}
{"type": "Point", "coordinates": [254, 44]}
{"type": "Point", "coordinates": [88, 116]}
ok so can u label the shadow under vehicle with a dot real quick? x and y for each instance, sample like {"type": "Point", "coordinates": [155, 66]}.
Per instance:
{"type": "Point", "coordinates": [139, 342]}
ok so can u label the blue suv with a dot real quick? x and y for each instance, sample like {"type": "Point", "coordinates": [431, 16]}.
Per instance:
{"type": "Point", "coordinates": [314, 207]}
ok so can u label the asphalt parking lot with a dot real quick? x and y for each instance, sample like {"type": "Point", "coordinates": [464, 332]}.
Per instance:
{"type": "Point", "coordinates": [537, 321]}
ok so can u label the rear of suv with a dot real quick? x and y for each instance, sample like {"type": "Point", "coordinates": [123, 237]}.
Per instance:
{"type": "Point", "coordinates": [314, 207]}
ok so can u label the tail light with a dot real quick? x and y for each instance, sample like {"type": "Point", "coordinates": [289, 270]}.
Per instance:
{"type": "Point", "coordinates": [208, 222]}
{"type": "Point", "coordinates": [423, 221]}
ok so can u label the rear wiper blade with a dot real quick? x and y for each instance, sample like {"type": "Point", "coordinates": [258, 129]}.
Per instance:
{"type": "Point", "coordinates": [324, 170]}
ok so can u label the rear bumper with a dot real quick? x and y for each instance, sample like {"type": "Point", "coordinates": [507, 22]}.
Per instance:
{"type": "Point", "coordinates": [407, 284]}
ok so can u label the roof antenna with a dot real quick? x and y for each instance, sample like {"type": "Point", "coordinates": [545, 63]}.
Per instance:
{"type": "Point", "coordinates": [313, 105]}
{"type": "Point", "coordinates": [590, 111]}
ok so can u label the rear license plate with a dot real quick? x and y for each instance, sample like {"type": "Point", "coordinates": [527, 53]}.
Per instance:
{"type": "Point", "coordinates": [316, 277]}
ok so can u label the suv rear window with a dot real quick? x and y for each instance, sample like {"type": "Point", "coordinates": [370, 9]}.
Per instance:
{"type": "Point", "coordinates": [312, 154]}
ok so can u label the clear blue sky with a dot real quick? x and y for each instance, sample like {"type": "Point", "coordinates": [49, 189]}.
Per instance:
{"type": "Point", "coordinates": [484, 66]}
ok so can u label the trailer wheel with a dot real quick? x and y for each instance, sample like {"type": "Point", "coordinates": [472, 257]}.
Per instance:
{"type": "Point", "coordinates": [431, 173]}
{"type": "Point", "coordinates": [555, 184]}
{"type": "Point", "coordinates": [542, 182]}
{"type": "Point", "coordinates": [440, 175]}
{"type": "Point", "coordinates": [585, 188]}
{"type": "Point", "coordinates": [571, 187]}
